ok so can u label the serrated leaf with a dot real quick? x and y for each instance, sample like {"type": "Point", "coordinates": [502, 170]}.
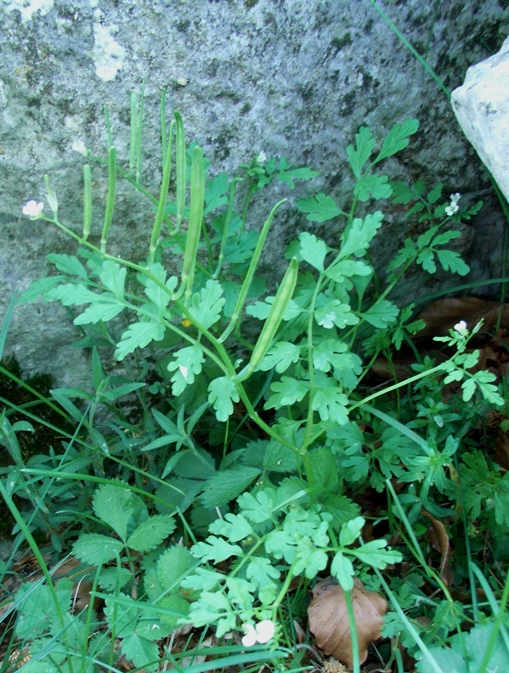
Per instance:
{"type": "Point", "coordinates": [312, 250]}
{"type": "Point", "coordinates": [397, 138]}
{"type": "Point", "coordinates": [97, 549]}
{"type": "Point", "coordinates": [138, 335]}
{"type": "Point", "coordinates": [357, 156]}
{"type": "Point", "coordinates": [280, 357]}
{"type": "Point", "coordinates": [320, 208]}
{"type": "Point", "coordinates": [206, 305]}
{"type": "Point", "coordinates": [172, 565]}
{"type": "Point", "coordinates": [376, 186]}
{"type": "Point", "coordinates": [142, 652]}
{"type": "Point", "coordinates": [381, 314]}
{"type": "Point", "coordinates": [112, 578]}
{"type": "Point", "coordinates": [186, 365]}
{"type": "Point", "coordinates": [151, 532]}
{"type": "Point", "coordinates": [222, 395]}
{"type": "Point", "coordinates": [227, 485]}
{"type": "Point", "coordinates": [114, 505]}
{"type": "Point", "coordinates": [68, 264]}
{"type": "Point", "coordinates": [279, 458]}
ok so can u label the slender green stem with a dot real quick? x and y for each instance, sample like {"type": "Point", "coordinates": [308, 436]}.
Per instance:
{"type": "Point", "coordinates": [353, 632]}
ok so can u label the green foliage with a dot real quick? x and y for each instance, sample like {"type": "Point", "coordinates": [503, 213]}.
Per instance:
{"type": "Point", "coordinates": [253, 438]}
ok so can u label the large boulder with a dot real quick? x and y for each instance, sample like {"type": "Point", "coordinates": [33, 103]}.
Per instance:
{"type": "Point", "coordinates": [294, 79]}
{"type": "Point", "coordinates": [482, 108]}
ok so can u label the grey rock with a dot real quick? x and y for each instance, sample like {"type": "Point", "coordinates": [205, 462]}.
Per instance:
{"type": "Point", "coordinates": [295, 79]}
{"type": "Point", "coordinates": [482, 108]}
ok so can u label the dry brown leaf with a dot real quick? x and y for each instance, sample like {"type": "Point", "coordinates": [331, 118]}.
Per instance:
{"type": "Point", "coordinates": [440, 316]}
{"type": "Point", "coordinates": [439, 539]}
{"type": "Point", "coordinates": [328, 619]}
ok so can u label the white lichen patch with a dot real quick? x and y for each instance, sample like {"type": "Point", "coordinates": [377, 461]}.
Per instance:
{"type": "Point", "coordinates": [108, 54]}
{"type": "Point", "coordinates": [28, 7]}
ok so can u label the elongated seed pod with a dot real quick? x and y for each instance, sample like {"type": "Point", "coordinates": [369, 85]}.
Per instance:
{"type": "Point", "coordinates": [180, 168]}
{"type": "Point", "coordinates": [250, 273]}
{"type": "Point", "coordinates": [156, 230]}
{"type": "Point", "coordinates": [110, 202]}
{"type": "Point", "coordinates": [277, 310]}
{"type": "Point", "coordinates": [195, 220]}
{"type": "Point", "coordinates": [87, 201]}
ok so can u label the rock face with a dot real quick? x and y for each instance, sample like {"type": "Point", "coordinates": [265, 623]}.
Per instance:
{"type": "Point", "coordinates": [482, 108]}
{"type": "Point", "coordinates": [292, 78]}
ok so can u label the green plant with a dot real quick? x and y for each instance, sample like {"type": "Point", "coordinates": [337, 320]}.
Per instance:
{"type": "Point", "coordinates": [255, 427]}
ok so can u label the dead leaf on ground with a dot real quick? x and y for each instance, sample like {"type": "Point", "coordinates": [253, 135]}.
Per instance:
{"type": "Point", "coordinates": [328, 619]}
{"type": "Point", "coordinates": [441, 315]}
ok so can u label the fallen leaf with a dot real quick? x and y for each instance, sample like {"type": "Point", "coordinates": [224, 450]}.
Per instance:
{"type": "Point", "coordinates": [439, 539]}
{"type": "Point", "coordinates": [328, 619]}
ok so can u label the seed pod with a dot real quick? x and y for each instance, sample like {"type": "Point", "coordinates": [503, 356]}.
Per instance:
{"type": "Point", "coordinates": [180, 168]}
{"type": "Point", "coordinates": [87, 201]}
{"type": "Point", "coordinates": [273, 320]}
{"type": "Point", "coordinates": [110, 202]}
{"type": "Point", "coordinates": [156, 230]}
{"type": "Point", "coordinates": [195, 221]}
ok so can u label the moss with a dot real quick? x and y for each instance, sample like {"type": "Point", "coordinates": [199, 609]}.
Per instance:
{"type": "Point", "coordinates": [249, 4]}
{"type": "Point", "coordinates": [338, 43]}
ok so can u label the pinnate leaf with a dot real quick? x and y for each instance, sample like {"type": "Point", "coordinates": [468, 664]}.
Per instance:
{"type": "Point", "coordinates": [138, 335]}
{"type": "Point", "coordinates": [397, 138]}
{"type": "Point", "coordinates": [381, 314]}
{"type": "Point", "coordinates": [358, 155]}
{"type": "Point", "coordinates": [222, 395]}
{"type": "Point", "coordinates": [206, 305]}
{"type": "Point", "coordinates": [376, 186]}
{"type": "Point", "coordinates": [280, 357]}
{"type": "Point", "coordinates": [313, 250]}
{"type": "Point", "coordinates": [186, 365]}
{"type": "Point", "coordinates": [215, 549]}
{"type": "Point", "coordinates": [320, 208]}
{"type": "Point", "coordinates": [287, 391]}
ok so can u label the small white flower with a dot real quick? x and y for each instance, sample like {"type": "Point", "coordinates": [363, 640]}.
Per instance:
{"type": "Point", "coordinates": [33, 209]}
{"type": "Point", "coordinates": [261, 633]}
{"type": "Point", "coordinates": [261, 158]}
{"type": "Point", "coordinates": [250, 638]}
{"type": "Point", "coordinates": [79, 146]}
{"type": "Point", "coordinates": [461, 328]}
{"type": "Point", "coordinates": [453, 207]}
